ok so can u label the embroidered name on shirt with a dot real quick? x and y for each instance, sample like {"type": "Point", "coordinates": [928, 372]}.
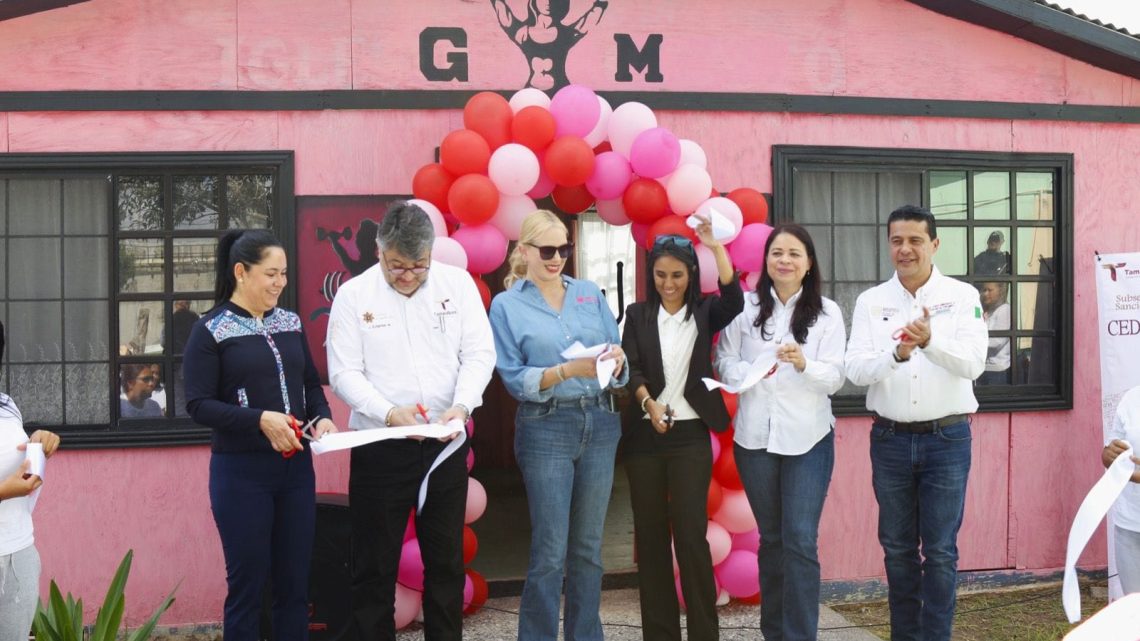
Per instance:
{"type": "Point", "coordinates": [591, 300]}
{"type": "Point", "coordinates": [941, 308]}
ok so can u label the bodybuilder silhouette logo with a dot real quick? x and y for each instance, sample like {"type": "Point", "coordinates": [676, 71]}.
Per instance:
{"type": "Point", "coordinates": [545, 38]}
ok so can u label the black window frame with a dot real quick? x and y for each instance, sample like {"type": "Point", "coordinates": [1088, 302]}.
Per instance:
{"type": "Point", "coordinates": [172, 430]}
{"type": "Point", "coordinates": [786, 159]}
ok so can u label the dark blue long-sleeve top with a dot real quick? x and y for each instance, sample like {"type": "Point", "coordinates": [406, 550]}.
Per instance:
{"type": "Point", "coordinates": [235, 366]}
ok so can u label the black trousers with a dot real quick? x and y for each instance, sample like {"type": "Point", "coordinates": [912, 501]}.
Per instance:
{"type": "Point", "coordinates": [384, 481]}
{"type": "Point", "coordinates": [668, 485]}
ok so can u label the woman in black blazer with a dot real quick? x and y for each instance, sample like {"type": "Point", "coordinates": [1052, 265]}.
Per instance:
{"type": "Point", "coordinates": [668, 455]}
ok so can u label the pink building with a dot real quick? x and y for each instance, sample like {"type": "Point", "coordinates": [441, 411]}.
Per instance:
{"type": "Point", "coordinates": [132, 132]}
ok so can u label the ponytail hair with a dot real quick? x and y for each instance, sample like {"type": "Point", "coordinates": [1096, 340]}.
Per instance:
{"type": "Point", "coordinates": [534, 225]}
{"type": "Point", "coordinates": [245, 246]}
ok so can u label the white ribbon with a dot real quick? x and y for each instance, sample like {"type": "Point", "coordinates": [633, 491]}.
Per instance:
{"type": "Point", "coordinates": [355, 438]}
{"type": "Point", "coordinates": [1092, 511]}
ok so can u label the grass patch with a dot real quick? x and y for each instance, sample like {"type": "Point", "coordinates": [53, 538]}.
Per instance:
{"type": "Point", "coordinates": [1015, 614]}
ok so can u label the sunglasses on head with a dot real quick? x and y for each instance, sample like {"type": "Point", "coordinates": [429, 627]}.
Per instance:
{"type": "Point", "coordinates": [546, 252]}
{"type": "Point", "coordinates": [679, 241]}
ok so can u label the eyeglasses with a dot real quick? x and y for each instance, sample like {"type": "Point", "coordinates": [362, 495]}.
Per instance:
{"type": "Point", "coordinates": [147, 379]}
{"type": "Point", "coordinates": [679, 241]}
{"type": "Point", "coordinates": [546, 252]}
{"type": "Point", "coordinates": [400, 271]}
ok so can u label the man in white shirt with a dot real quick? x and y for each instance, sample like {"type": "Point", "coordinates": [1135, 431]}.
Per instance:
{"type": "Point", "coordinates": [408, 341]}
{"type": "Point", "coordinates": [919, 341]}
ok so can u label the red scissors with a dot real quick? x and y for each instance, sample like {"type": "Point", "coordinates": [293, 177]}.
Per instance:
{"type": "Point", "coordinates": [301, 432]}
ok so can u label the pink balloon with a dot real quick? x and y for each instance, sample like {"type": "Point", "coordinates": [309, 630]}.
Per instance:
{"type": "Point", "coordinates": [408, 604]}
{"type": "Point", "coordinates": [470, 427]}
{"type": "Point", "coordinates": [411, 570]}
{"type": "Point", "coordinates": [601, 129]}
{"type": "Point", "coordinates": [687, 187]}
{"type": "Point", "coordinates": [747, 251]}
{"type": "Point", "coordinates": [449, 251]}
{"type": "Point", "coordinates": [485, 245]}
{"type": "Point", "coordinates": [735, 514]}
{"type": "Point", "coordinates": [470, 459]}
{"type": "Point", "coordinates": [468, 591]}
{"type": "Point", "coordinates": [749, 540]}
{"type": "Point", "coordinates": [655, 153]}
{"type": "Point", "coordinates": [726, 208]}
{"type": "Point", "coordinates": [693, 154]}
{"type": "Point", "coordinates": [715, 442]}
{"type": "Point", "coordinates": [739, 573]}
{"type": "Point", "coordinates": [576, 110]}
{"type": "Point", "coordinates": [513, 169]}
{"type": "Point", "coordinates": [627, 122]}
{"type": "Point", "coordinates": [680, 593]}
{"type": "Point", "coordinates": [639, 231]}
{"type": "Point", "coordinates": [509, 216]}
{"type": "Point", "coordinates": [612, 211]}
{"type": "Point", "coordinates": [529, 97]}
{"type": "Point", "coordinates": [750, 280]}
{"type": "Point", "coordinates": [476, 501]}
{"type": "Point", "coordinates": [720, 541]}
{"type": "Point", "coordinates": [433, 213]}
{"type": "Point", "coordinates": [611, 176]}
{"type": "Point", "coordinates": [545, 183]}
{"type": "Point", "coordinates": [410, 529]}
{"type": "Point", "coordinates": [709, 275]}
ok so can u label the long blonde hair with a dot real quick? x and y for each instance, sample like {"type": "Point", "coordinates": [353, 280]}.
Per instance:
{"type": "Point", "coordinates": [534, 225]}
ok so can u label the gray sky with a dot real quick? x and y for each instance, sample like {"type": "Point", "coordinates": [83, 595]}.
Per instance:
{"type": "Point", "coordinates": [1122, 13]}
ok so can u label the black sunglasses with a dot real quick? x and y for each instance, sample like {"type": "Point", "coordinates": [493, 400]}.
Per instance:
{"type": "Point", "coordinates": [679, 241]}
{"type": "Point", "coordinates": [546, 252]}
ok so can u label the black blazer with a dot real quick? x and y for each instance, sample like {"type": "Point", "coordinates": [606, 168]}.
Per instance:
{"type": "Point", "coordinates": [642, 346]}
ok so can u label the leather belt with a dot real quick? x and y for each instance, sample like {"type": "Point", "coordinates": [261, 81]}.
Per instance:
{"type": "Point", "coordinates": [920, 427]}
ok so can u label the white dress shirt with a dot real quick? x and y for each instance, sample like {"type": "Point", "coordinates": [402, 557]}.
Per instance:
{"type": "Point", "coordinates": [789, 411]}
{"type": "Point", "coordinates": [937, 380]}
{"type": "Point", "coordinates": [997, 359]}
{"type": "Point", "coordinates": [677, 337]}
{"type": "Point", "coordinates": [385, 349]}
{"type": "Point", "coordinates": [15, 518]}
{"type": "Point", "coordinates": [1126, 427]}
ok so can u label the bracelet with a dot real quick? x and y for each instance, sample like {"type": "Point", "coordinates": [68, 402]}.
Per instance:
{"type": "Point", "coordinates": [466, 412]}
{"type": "Point", "coordinates": [558, 372]}
{"type": "Point", "coordinates": [388, 417]}
{"type": "Point", "coordinates": [643, 402]}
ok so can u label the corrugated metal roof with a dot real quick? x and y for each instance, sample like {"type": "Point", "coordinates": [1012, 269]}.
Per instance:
{"type": "Point", "coordinates": [1081, 16]}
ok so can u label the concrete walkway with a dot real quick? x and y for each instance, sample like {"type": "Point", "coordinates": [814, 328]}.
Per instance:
{"type": "Point", "coordinates": [621, 620]}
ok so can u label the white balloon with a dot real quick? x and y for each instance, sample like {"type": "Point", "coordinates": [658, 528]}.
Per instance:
{"type": "Point", "coordinates": [627, 122]}
{"type": "Point", "coordinates": [693, 154]}
{"type": "Point", "coordinates": [437, 221]}
{"type": "Point", "coordinates": [529, 97]}
{"type": "Point", "coordinates": [514, 169]}
{"type": "Point", "coordinates": [448, 251]}
{"type": "Point", "coordinates": [601, 130]}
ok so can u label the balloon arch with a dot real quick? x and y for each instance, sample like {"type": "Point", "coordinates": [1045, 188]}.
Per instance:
{"type": "Point", "coordinates": [579, 151]}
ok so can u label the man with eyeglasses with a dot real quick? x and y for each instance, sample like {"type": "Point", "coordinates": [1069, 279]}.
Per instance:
{"type": "Point", "coordinates": [408, 342]}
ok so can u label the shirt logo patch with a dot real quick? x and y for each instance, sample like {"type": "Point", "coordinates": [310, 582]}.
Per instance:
{"type": "Point", "coordinates": [589, 300]}
{"type": "Point", "coordinates": [368, 317]}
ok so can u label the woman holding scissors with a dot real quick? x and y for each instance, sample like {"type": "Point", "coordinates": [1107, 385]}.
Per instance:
{"type": "Point", "coordinates": [251, 380]}
{"type": "Point", "coordinates": [784, 441]}
{"type": "Point", "coordinates": [668, 455]}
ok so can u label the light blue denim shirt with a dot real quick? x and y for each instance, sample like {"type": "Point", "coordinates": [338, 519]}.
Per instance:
{"type": "Point", "coordinates": [530, 337]}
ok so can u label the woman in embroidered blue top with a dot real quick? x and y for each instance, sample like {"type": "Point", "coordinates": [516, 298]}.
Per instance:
{"type": "Point", "coordinates": [251, 380]}
{"type": "Point", "coordinates": [566, 429]}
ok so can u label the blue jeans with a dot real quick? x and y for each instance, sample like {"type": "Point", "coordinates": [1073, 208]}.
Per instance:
{"type": "Point", "coordinates": [786, 494]}
{"type": "Point", "coordinates": [565, 450]}
{"type": "Point", "coordinates": [920, 485]}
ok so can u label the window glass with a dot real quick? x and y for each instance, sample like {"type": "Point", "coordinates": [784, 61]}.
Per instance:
{"type": "Point", "coordinates": [39, 264]}
{"type": "Point", "coordinates": [991, 251]}
{"type": "Point", "coordinates": [600, 247]}
{"type": "Point", "coordinates": [821, 237]}
{"type": "Point", "coordinates": [140, 203]}
{"type": "Point", "coordinates": [85, 401]}
{"type": "Point", "coordinates": [194, 260]}
{"type": "Point", "coordinates": [948, 195]}
{"type": "Point", "coordinates": [860, 196]}
{"type": "Point", "coordinates": [249, 200]}
{"type": "Point", "coordinates": [35, 205]}
{"type": "Point", "coordinates": [85, 205]}
{"type": "Point", "coordinates": [812, 197]}
{"type": "Point", "coordinates": [896, 189]}
{"type": "Point", "coordinates": [33, 332]}
{"type": "Point", "coordinates": [851, 254]}
{"type": "Point", "coordinates": [196, 202]}
{"type": "Point", "coordinates": [36, 389]}
{"type": "Point", "coordinates": [85, 272]}
{"type": "Point", "coordinates": [141, 327]}
{"type": "Point", "coordinates": [142, 265]}
{"type": "Point", "coordinates": [1034, 252]}
{"type": "Point", "coordinates": [991, 195]}
{"type": "Point", "coordinates": [186, 312]}
{"type": "Point", "coordinates": [951, 255]}
{"type": "Point", "coordinates": [141, 391]}
{"type": "Point", "coordinates": [1034, 195]}
{"type": "Point", "coordinates": [85, 330]}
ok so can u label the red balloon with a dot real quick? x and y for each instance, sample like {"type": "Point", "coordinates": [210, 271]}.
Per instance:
{"type": "Point", "coordinates": [533, 127]}
{"type": "Point", "coordinates": [724, 470]}
{"type": "Point", "coordinates": [470, 544]}
{"type": "Point", "coordinates": [431, 183]}
{"type": "Point", "coordinates": [464, 152]}
{"type": "Point", "coordinates": [726, 437]}
{"type": "Point", "coordinates": [489, 115]}
{"type": "Point", "coordinates": [752, 204]}
{"type": "Point", "coordinates": [644, 200]}
{"type": "Point", "coordinates": [751, 600]}
{"type": "Point", "coordinates": [570, 161]}
{"type": "Point", "coordinates": [603, 147]}
{"type": "Point", "coordinates": [480, 591]}
{"type": "Point", "coordinates": [572, 200]}
{"type": "Point", "coordinates": [729, 403]}
{"type": "Point", "coordinates": [484, 291]}
{"type": "Point", "coordinates": [473, 199]}
{"type": "Point", "coordinates": [669, 226]}
{"type": "Point", "coordinates": [716, 497]}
